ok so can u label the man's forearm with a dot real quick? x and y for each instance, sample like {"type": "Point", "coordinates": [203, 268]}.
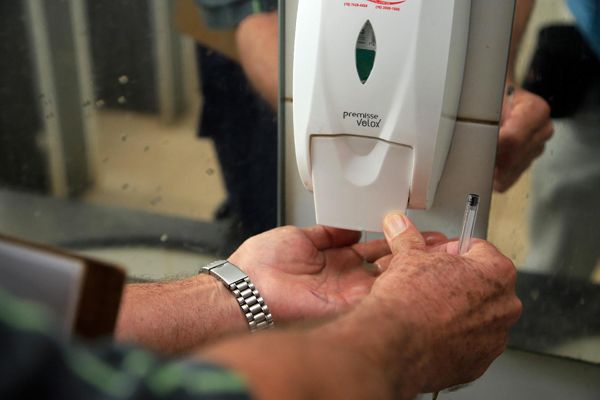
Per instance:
{"type": "Point", "coordinates": [291, 365]}
{"type": "Point", "coordinates": [174, 317]}
{"type": "Point", "coordinates": [258, 48]}
{"type": "Point", "coordinates": [521, 19]}
{"type": "Point", "coordinates": [334, 360]}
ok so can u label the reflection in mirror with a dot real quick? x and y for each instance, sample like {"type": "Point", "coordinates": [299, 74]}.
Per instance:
{"type": "Point", "coordinates": [122, 136]}
{"type": "Point", "coordinates": [548, 222]}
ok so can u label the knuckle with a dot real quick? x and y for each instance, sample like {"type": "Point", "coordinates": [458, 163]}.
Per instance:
{"type": "Point", "coordinates": [517, 308]}
{"type": "Point", "coordinates": [507, 270]}
{"type": "Point", "coordinates": [512, 310]}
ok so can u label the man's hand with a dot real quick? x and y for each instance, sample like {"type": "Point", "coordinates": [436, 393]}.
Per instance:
{"type": "Point", "coordinates": [524, 130]}
{"type": "Point", "coordinates": [301, 273]}
{"type": "Point", "coordinates": [461, 307]}
{"type": "Point", "coordinates": [432, 319]}
{"type": "Point", "coordinates": [525, 126]}
{"type": "Point", "coordinates": [309, 273]}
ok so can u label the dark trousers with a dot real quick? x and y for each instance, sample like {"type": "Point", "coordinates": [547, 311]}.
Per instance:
{"type": "Point", "coordinates": [244, 130]}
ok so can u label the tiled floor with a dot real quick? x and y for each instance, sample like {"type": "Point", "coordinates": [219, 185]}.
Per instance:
{"type": "Point", "coordinates": [165, 169]}
{"type": "Point", "coordinates": [144, 164]}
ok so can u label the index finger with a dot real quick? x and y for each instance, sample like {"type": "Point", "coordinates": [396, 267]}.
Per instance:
{"type": "Point", "coordinates": [326, 237]}
{"type": "Point", "coordinates": [372, 250]}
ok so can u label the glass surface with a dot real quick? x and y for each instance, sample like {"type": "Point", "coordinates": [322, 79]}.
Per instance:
{"type": "Point", "coordinates": [123, 137]}
{"type": "Point", "coordinates": [549, 221]}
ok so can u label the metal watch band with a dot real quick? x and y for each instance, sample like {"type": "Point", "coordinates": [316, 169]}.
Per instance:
{"type": "Point", "coordinates": [252, 304]}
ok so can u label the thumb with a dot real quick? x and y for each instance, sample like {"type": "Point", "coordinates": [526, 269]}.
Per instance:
{"type": "Point", "coordinates": [401, 234]}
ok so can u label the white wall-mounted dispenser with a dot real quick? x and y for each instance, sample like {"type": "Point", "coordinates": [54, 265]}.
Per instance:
{"type": "Point", "coordinates": [376, 90]}
{"type": "Point", "coordinates": [390, 105]}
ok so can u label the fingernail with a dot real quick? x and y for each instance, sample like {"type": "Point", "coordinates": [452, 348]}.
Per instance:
{"type": "Point", "coordinates": [394, 224]}
{"type": "Point", "coordinates": [430, 240]}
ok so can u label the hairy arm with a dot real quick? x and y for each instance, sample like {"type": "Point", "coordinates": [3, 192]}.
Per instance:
{"type": "Point", "coordinates": [258, 49]}
{"type": "Point", "coordinates": [335, 360]}
{"type": "Point", "coordinates": [323, 362]}
{"type": "Point", "coordinates": [174, 317]}
{"type": "Point", "coordinates": [302, 274]}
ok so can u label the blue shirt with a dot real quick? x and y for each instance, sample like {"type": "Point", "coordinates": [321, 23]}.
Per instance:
{"type": "Point", "coordinates": [587, 14]}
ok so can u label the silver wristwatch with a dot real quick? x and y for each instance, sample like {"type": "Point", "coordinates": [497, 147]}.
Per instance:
{"type": "Point", "coordinates": [253, 306]}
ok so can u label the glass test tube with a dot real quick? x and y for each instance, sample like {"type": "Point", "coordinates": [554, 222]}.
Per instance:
{"type": "Point", "coordinates": [468, 223]}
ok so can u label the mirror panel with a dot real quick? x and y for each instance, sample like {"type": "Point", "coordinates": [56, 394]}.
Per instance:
{"type": "Point", "coordinates": [129, 132]}
{"type": "Point", "coordinates": [548, 222]}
